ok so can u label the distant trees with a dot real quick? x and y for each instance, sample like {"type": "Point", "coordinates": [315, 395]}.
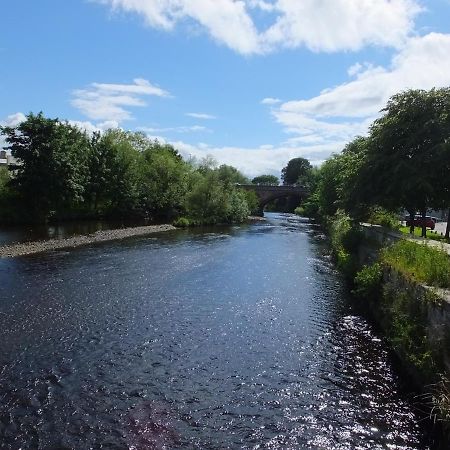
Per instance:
{"type": "Point", "coordinates": [297, 171]}
{"type": "Point", "coordinates": [64, 173]}
{"type": "Point", "coordinates": [266, 180]}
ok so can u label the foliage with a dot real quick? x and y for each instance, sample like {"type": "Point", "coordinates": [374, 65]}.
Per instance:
{"type": "Point", "coordinates": [229, 175]}
{"type": "Point", "coordinates": [65, 173]}
{"type": "Point", "coordinates": [297, 171]}
{"type": "Point", "coordinates": [252, 201]}
{"type": "Point", "coordinates": [207, 202]}
{"type": "Point", "coordinates": [268, 180]}
{"type": "Point", "coordinates": [440, 398]}
{"type": "Point", "coordinates": [182, 222]}
{"type": "Point", "coordinates": [164, 183]}
{"type": "Point", "coordinates": [337, 177]}
{"type": "Point", "coordinates": [368, 282]}
{"type": "Point", "coordinates": [419, 262]}
{"type": "Point", "coordinates": [380, 216]}
{"type": "Point", "coordinates": [345, 238]}
{"type": "Point", "coordinates": [407, 331]}
{"type": "Point", "coordinates": [53, 169]}
{"type": "Point", "coordinates": [310, 207]}
{"type": "Point", "coordinates": [408, 154]}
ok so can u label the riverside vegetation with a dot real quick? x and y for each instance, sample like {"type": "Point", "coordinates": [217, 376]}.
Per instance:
{"type": "Point", "coordinates": [64, 173]}
{"type": "Point", "coordinates": [403, 164]}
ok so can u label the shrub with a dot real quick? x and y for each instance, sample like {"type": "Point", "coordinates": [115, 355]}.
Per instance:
{"type": "Point", "coordinates": [368, 282]}
{"type": "Point", "coordinates": [182, 222]}
{"type": "Point", "coordinates": [380, 216]}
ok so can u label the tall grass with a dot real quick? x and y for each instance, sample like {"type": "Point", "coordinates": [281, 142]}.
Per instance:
{"type": "Point", "coordinates": [422, 263]}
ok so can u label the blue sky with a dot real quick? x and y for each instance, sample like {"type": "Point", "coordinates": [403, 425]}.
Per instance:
{"type": "Point", "coordinates": [251, 82]}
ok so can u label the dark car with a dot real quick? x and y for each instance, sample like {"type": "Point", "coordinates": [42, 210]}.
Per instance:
{"type": "Point", "coordinates": [429, 222]}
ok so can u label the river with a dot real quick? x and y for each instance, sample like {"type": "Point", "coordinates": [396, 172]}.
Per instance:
{"type": "Point", "coordinates": [238, 337]}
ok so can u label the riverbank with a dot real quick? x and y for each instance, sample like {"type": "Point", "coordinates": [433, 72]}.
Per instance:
{"type": "Point", "coordinates": [403, 284]}
{"type": "Point", "coordinates": [28, 248]}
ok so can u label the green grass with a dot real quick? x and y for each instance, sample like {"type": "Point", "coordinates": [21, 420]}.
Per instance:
{"type": "Point", "coordinates": [435, 236]}
{"type": "Point", "coordinates": [419, 262]}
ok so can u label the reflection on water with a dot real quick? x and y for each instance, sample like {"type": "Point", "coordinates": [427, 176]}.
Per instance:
{"type": "Point", "coordinates": [238, 337]}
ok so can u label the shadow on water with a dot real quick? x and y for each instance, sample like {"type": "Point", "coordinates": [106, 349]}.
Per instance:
{"type": "Point", "coordinates": [234, 337]}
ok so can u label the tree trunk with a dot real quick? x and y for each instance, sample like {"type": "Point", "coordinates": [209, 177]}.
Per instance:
{"type": "Point", "coordinates": [424, 225]}
{"type": "Point", "coordinates": [447, 230]}
{"type": "Point", "coordinates": [411, 221]}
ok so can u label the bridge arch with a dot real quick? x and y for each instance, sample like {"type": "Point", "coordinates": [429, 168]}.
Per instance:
{"type": "Point", "coordinates": [268, 193]}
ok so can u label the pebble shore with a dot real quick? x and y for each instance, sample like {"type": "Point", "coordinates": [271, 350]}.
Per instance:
{"type": "Point", "coordinates": [28, 248]}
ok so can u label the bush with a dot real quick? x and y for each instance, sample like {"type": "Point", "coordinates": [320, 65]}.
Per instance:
{"type": "Point", "coordinates": [368, 282]}
{"type": "Point", "coordinates": [345, 238]}
{"type": "Point", "coordinates": [182, 222]}
{"type": "Point", "coordinates": [380, 216]}
{"type": "Point", "coordinates": [419, 262]}
{"type": "Point", "coordinates": [309, 208]}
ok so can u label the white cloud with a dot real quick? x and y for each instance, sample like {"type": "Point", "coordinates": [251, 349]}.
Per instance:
{"type": "Point", "coordinates": [90, 127]}
{"type": "Point", "coordinates": [10, 121]}
{"type": "Point", "coordinates": [181, 129]}
{"type": "Point", "coordinates": [13, 119]}
{"type": "Point", "coordinates": [226, 21]}
{"type": "Point", "coordinates": [108, 102]}
{"type": "Point", "coordinates": [270, 101]}
{"type": "Point", "coordinates": [346, 110]}
{"type": "Point", "coordinates": [328, 25]}
{"type": "Point", "coordinates": [259, 160]}
{"type": "Point", "coordinates": [334, 25]}
{"type": "Point", "coordinates": [201, 116]}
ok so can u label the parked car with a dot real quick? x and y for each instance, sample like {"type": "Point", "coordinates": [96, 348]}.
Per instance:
{"type": "Point", "coordinates": [429, 222]}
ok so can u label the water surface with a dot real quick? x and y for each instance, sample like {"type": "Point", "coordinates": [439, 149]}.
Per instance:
{"type": "Point", "coordinates": [238, 337]}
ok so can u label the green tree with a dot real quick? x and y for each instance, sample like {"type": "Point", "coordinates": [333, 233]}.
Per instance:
{"type": "Point", "coordinates": [164, 182]}
{"type": "Point", "coordinates": [337, 177]}
{"type": "Point", "coordinates": [229, 175]}
{"type": "Point", "coordinates": [407, 150]}
{"type": "Point", "coordinates": [267, 180]}
{"type": "Point", "coordinates": [297, 171]}
{"type": "Point", "coordinates": [53, 165]}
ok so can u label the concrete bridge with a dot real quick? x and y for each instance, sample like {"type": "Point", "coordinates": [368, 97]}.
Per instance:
{"type": "Point", "coordinates": [268, 193]}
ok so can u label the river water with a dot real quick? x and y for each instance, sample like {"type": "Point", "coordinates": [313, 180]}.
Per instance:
{"type": "Point", "coordinates": [239, 337]}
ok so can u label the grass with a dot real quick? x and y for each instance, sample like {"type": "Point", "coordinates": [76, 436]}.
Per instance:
{"type": "Point", "coordinates": [419, 262]}
{"type": "Point", "coordinates": [433, 235]}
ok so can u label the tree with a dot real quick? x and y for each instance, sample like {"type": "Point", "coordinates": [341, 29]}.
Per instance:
{"type": "Point", "coordinates": [337, 178]}
{"type": "Point", "coordinates": [268, 180]}
{"type": "Point", "coordinates": [229, 175]}
{"type": "Point", "coordinates": [297, 170]}
{"type": "Point", "coordinates": [164, 181]}
{"type": "Point", "coordinates": [406, 152]}
{"type": "Point", "coordinates": [53, 165]}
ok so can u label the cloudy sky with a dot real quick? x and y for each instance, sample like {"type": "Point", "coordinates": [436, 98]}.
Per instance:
{"type": "Point", "coordinates": [251, 82]}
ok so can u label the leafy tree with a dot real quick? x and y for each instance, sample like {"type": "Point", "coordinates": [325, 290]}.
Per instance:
{"type": "Point", "coordinates": [164, 182]}
{"type": "Point", "coordinates": [207, 202]}
{"type": "Point", "coordinates": [407, 150]}
{"type": "Point", "coordinates": [53, 170]}
{"type": "Point", "coordinates": [229, 175]}
{"type": "Point", "coordinates": [268, 180]}
{"type": "Point", "coordinates": [337, 177]}
{"type": "Point", "coordinates": [297, 170]}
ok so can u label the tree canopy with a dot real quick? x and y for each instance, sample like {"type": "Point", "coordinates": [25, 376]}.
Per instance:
{"type": "Point", "coordinates": [64, 173]}
{"type": "Point", "coordinates": [297, 171]}
{"type": "Point", "coordinates": [266, 180]}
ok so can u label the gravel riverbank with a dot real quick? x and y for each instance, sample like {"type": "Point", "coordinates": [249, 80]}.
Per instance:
{"type": "Point", "coordinates": [28, 248]}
